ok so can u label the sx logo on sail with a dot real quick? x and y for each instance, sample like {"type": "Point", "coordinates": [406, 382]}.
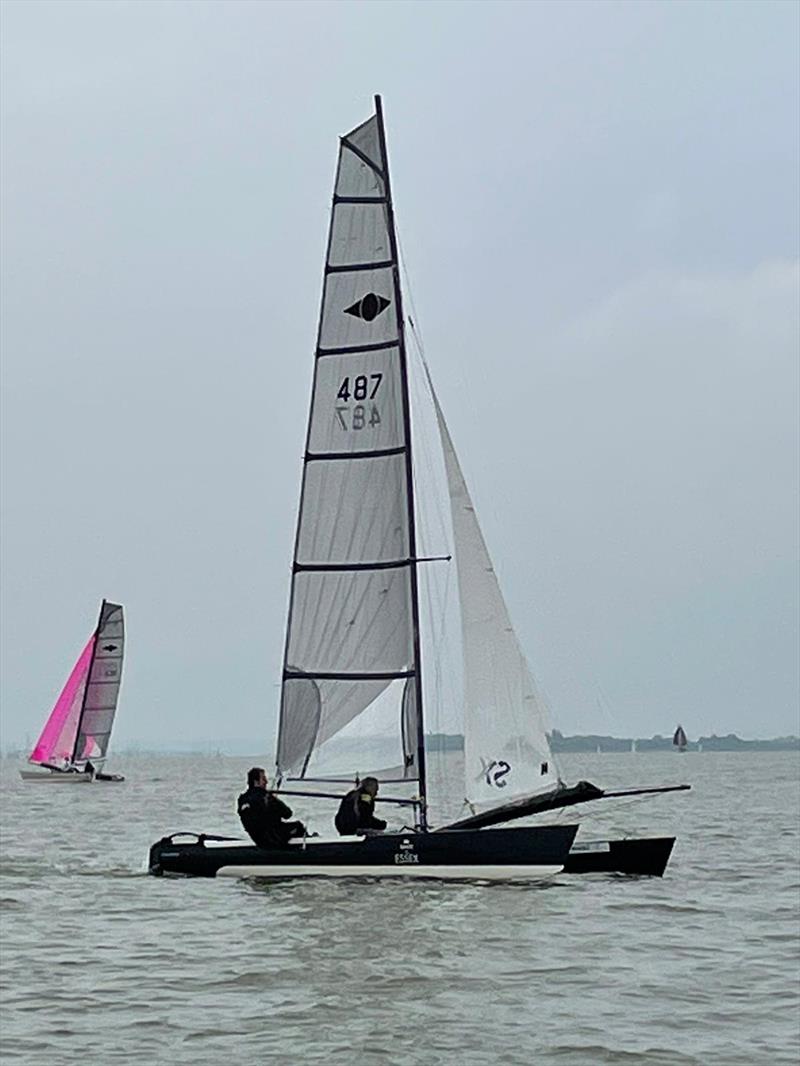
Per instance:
{"type": "Point", "coordinates": [495, 772]}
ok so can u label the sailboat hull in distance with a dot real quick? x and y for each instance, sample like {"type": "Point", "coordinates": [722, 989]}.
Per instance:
{"type": "Point", "coordinates": [58, 777]}
{"type": "Point", "coordinates": [502, 854]}
{"type": "Point", "coordinates": [66, 777]}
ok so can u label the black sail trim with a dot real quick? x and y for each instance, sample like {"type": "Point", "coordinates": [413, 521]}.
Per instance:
{"type": "Point", "coordinates": [363, 157]}
{"type": "Point", "coordinates": [377, 453]}
{"type": "Point", "coordinates": [315, 675]}
{"type": "Point", "coordinates": [358, 200]}
{"type": "Point", "coordinates": [355, 268]}
{"type": "Point", "coordinates": [355, 349]}
{"type": "Point", "coordinates": [323, 568]}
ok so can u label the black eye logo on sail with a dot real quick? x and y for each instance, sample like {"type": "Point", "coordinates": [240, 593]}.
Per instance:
{"type": "Point", "coordinates": [109, 647]}
{"type": "Point", "coordinates": [368, 307]}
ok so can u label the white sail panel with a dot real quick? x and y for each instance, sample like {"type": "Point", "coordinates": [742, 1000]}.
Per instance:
{"type": "Point", "coordinates": [506, 750]}
{"type": "Point", "coordinates": [376, 487]}
{"type": "Point", "coordinates": [366, 140]}
{"type": "Point", "coordinates": [357, 405]}
{"type": "Point", "coordinates": [350, 639]}
{"type": "Point", "coordinates": [356, 178]}
{"type": "Point", "coordinates": [358, 305]}
{"type": "Point", "coordinates": [102, 688]}
{"type": "Point", "coordinates": [366, 745]}
{"type": "Point", "coordinates": [361, 167]}
{"type": "Point", "coordinates": [359, 230]}
{"type": "Point", "coordinates": [351, 622]}
{"type": "Point", "coordinates": [313, 711]}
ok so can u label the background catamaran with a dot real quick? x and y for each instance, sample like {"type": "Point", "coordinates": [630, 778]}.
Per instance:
{"type": "Point", "coordinates": [353, 696]}
{"type": "Point", "coordinates": [73, 744]}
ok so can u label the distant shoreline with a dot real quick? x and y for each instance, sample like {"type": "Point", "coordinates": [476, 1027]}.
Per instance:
{"type": "Point", "coordinates": [596, 743]}
{"type": "Point", "coordinates": [729, 742]}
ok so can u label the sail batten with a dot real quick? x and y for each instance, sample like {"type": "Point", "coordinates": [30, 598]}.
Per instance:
{"type": "Point", "coordinates": [343, 268]}
{"type": "Point", "coordinates": [340, 675]}
{"type": "Point", "coordinates": [356, 349]}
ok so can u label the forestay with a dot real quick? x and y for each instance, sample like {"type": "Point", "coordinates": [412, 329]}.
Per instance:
{"type": "Point", "coordinates": [506, 750]}
{"type": "Point", "coordinates": [351, 657]}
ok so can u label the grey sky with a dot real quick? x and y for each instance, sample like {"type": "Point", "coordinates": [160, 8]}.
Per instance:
{"type": "Point", "coordinates": [599, 208]}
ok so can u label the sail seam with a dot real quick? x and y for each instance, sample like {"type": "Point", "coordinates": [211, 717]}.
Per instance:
{"type": "Point", "coordinates": [377, 453]}
{"type": "Point", "coordinates": [354, 268]}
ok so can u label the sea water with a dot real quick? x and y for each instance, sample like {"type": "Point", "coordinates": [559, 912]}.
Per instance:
{"type": "Point", "coordinates": [101, 963]}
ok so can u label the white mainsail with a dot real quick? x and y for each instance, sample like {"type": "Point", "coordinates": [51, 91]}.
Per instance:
{"type": "Point", "coordinates": [351, 660]}
{"type": "Point", "coordinates": [506, 751]}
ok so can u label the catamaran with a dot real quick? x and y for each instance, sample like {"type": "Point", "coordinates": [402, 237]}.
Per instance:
{"type": "Point", "coordinates": [353, 701]}
{"type": "Point", "coordinates": [73, 745]}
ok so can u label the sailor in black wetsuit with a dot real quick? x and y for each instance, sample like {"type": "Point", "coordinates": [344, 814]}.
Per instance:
{"type": "Point", "coordinates": [264, 815]}
{"type": "Point", "coordinates": [357, 810]}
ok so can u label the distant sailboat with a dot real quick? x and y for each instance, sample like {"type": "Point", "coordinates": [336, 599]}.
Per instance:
{"type": "Point", "coordinates": [679, 740]}
{"type": "Point", "coordinates": [73, 744]}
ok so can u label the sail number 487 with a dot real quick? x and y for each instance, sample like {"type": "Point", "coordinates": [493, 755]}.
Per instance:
{"type": "Point", "coordinates": [362, 388]}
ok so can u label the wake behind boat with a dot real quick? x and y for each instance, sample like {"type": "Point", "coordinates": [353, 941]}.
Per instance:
{"type": "Point", "coordinates": [73, 744]}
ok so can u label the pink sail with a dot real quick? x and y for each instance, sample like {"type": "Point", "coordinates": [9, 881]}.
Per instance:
{"type": "Point", "coordinates": [57, 741]}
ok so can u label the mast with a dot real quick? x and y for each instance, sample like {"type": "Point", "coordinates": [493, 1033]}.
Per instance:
{"type": "Point", "coordinates": [86, 686]}
{"type": "Point", "coordinates": [412, 538]}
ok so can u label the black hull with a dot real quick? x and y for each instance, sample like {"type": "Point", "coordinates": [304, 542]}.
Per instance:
{"type": "Point", "coordinates": [499, 854]}
{"type": "Point", "coordinates": [647, 858]}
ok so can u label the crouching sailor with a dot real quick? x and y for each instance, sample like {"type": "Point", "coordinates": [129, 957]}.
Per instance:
{"type": "Point", "coordinates": [264, 816]}
{"type": "Point", "coordinates": [357, 810]}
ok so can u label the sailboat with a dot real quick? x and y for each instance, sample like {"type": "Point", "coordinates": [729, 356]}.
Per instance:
{"type": "Point", "coordinates": [73, 744]}
{"type": "Point", "coordinates": [353, 701]}
{"type": "Point", "coordinates": [352, 686]}
{"type": "Point", "coordinates": [679, 740]}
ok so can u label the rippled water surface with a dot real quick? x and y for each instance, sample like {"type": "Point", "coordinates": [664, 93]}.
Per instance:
{"type": "Point", "coordinates": [103, 963]}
